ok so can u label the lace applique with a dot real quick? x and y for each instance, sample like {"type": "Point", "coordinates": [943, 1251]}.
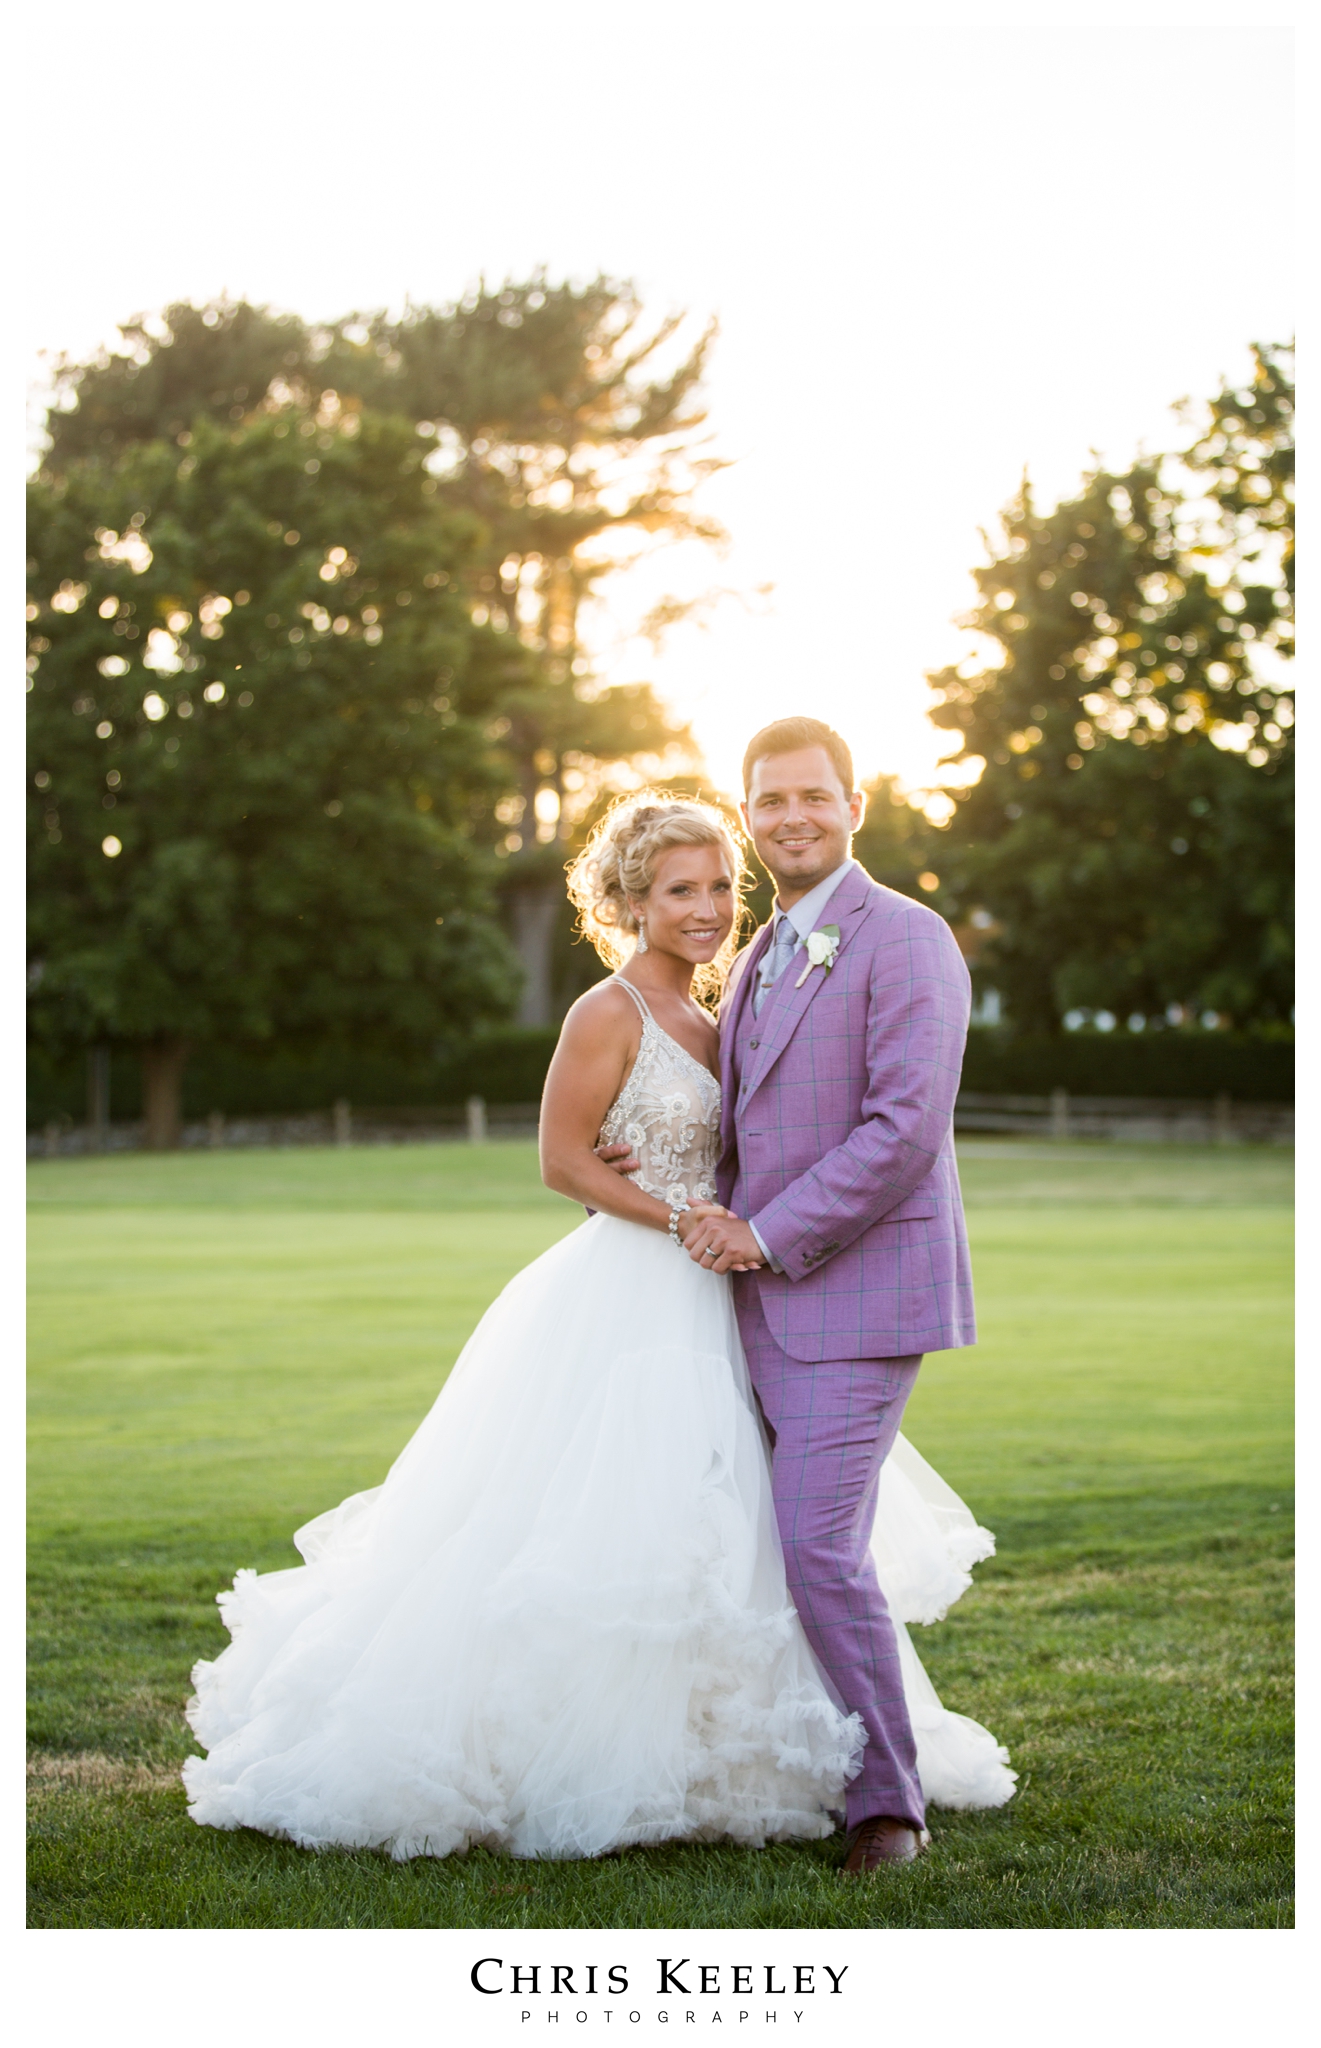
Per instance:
{"type": "Point", "coordinates": [668, 1110]}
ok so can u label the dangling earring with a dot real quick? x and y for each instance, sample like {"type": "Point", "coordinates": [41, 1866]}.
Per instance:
{"type": "Point", "coordinates": [641, 945]}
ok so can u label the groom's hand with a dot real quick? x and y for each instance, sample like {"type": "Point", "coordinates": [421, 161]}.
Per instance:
{"type": "Point", "coordinates": [719, 1242]}
{"type": "Point", "coordinates": [619, 1158]}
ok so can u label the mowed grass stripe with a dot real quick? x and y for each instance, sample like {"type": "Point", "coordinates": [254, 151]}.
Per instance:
{"type": "Point", "coordinates": [1118, 1351]}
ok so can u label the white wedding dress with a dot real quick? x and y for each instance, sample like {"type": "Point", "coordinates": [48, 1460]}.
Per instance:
{"type": "Point", "coordinates": [561, 1626]}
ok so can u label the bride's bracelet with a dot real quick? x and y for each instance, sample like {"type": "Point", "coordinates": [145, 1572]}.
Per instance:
{"type": "Point", "coordinates": [675, 1214]}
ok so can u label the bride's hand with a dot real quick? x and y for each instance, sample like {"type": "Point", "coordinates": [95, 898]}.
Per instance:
{"type": "Point", "coordinates": [730, 1260]}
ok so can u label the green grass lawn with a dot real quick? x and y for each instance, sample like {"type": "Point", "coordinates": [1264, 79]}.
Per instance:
{"type": "Point", "coordinates": [225, 1345]}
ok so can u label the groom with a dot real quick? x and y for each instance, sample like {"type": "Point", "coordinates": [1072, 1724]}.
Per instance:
{"type": "Point", "coordinates": [841, 1038]}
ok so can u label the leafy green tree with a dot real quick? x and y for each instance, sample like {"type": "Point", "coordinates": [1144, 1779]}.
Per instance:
{"type": "Point", "coordinates": [1130, 831]}
{"type": "Point", "coordinates": [557, 416]}
{"type": "Point", "coordinates": [262, 771]}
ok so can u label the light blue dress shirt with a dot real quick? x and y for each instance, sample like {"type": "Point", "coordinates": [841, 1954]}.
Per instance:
{"type": "Point", "coordinates": [805, 917]}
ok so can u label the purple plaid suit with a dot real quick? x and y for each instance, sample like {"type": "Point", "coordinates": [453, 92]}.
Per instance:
{"type": "Point", "coordinates": [838, 1145]}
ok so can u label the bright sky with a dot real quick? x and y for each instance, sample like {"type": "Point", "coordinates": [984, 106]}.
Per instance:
{"type": "Point", "coordinates": [938, 254]}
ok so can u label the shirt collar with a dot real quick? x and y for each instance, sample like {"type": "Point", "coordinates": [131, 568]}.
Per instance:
{"type": "Point", "coordinates": [807, 911]}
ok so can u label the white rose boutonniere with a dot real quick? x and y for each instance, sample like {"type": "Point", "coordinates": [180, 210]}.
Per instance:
{"type": "Point", "coordinates": [822, 947]}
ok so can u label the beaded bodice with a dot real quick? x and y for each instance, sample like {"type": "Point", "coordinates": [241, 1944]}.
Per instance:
{"type": "Point", "coordinates": [668, 1110]}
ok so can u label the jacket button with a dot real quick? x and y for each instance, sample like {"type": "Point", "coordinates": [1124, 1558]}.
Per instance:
{"type": "Point", "coordinates": [753, 1043]}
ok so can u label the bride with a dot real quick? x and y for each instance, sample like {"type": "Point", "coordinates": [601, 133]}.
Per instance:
{"type": "Point", "coordinates": [560, 1627]}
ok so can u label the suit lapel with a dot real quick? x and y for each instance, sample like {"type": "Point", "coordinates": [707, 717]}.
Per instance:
{"type": "Point", "coordinates": [790, 1002]}
{"type": "Point", "coordinates": [729, 1024]}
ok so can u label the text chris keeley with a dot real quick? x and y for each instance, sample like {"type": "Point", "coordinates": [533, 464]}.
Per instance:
{"type": "Point", "coordinates": [678, 1975]}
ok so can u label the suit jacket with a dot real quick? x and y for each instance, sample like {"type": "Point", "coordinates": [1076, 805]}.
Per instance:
{"type": "Point", "coordinates": [837, 1132]}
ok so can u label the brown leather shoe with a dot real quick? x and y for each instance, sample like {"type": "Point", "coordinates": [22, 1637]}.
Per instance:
{"type": "Point", "coordinates": [881, 1840]}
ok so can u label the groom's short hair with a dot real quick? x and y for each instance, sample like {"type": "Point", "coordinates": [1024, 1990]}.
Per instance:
{"type": "Point", "coordinates": [789, 736]}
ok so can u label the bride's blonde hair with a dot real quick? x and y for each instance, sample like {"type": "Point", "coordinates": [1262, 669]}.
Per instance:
{"type": "Point", "coordinates": [620, 860]}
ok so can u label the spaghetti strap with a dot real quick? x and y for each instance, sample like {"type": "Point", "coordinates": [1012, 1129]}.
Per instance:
{"type": "Point", "coordinates": [638, 999]}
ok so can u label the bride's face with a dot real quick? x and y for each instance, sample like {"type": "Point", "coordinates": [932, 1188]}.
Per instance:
{"type": "Point", "coordinates": [690, 906]}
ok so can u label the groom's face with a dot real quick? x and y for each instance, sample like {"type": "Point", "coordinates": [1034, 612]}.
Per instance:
{"type": "Point", "coordinates": [801, 819]}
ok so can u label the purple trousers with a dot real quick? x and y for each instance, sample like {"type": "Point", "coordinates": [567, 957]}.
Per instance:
{"type": "Point", "coordinates": [832, 1425]}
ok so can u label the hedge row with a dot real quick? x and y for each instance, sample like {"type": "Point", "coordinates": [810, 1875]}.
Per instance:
{"type": "Point", "coordinates": [510, 1066]}
{"type": "Point", "coordinates": [1193, 1065]}
{"type": "Point", "coordinates": [503, 1066]}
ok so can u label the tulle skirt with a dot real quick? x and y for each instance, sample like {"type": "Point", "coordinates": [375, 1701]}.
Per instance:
{"type": "Point", "coordinates": [561, 1627]}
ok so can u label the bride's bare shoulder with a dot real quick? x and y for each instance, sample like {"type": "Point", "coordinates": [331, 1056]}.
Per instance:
{"type": "Point", "coordinates": [597, 1046]}
{"type": "Point", "coordinates": [605, 1015]}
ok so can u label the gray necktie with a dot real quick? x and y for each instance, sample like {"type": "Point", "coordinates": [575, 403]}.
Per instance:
{"type": "Point", "coordinates": [777, 957]}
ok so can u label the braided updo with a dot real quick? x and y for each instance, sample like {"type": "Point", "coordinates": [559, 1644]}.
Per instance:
{"type": "Point", "coordinates": [620, 860]}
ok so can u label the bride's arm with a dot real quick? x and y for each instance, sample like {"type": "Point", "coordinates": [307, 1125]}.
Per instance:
{"type": "Point", "coordinates": [596, 1047]}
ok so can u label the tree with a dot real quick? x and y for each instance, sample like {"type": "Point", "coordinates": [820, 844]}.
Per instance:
{"type": "Point", "coordinates": [549, 421]}
{"type": "Point", "coordinates": [552, 413]}
{"type": "Point", "coordinates": [897, 843]}
{"type": "Point", "coordinates": [263, 773]}
{"type": "Point", "coordinates": [1130, 830]}
{"type": "Point", "coordinates": [220, 361]}
{"type": "Point", "coordinates": [1243, 458]}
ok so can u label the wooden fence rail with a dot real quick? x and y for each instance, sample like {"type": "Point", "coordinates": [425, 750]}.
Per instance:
{"type": "Point", "coordinates": [1134, 1119]}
